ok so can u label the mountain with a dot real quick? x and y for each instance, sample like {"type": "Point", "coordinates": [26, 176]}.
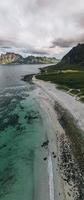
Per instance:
{"type": "Point", "coordinates": [74, 59]}
{"type": "Point", "coordinates": [75, 56]}
{"type": "Point", "coordinates": [39, 60]}
{"type": "Point", "coordinates": [9, 58]}
{"type": "Point", "coordinates": [13, 58]}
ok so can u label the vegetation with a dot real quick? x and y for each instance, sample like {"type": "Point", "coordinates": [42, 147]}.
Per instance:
{"type": "Point", "coordinates": [66, 74]}
{"type": "Point", "coordinates": [70, 81]}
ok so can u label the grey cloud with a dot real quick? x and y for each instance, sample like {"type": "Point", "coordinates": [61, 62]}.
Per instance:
{"type": "Point", "coordinates": [39, 52]}
{"type": "Point", "coordinates": [23, 51]}
{"type": "Point", "coordinates": [67, 42]}
{"type": "Point", "coordinates": [61, 42]}
{"type": "Point", "coordinates": [34, 24]}
{"type": "Point", "coordinates": [34, 51]}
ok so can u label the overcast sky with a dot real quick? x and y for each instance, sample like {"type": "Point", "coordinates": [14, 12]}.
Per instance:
{"type": "Point", "coordinates": [41, 27]}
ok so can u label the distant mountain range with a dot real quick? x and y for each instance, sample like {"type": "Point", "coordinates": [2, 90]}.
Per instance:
{"type": "Point", "coordinates": [75, 56]}
{"type": "Point", "coordinates": [13, 58]}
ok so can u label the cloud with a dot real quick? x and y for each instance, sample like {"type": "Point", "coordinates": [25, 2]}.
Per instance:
{"type": "Point", "coordinates": [38, 25]}
{"type": "Point", "coordinates": [61, 42]}
{"type": "Point", "coordinates": [68, 42]}
{"type": "Point", "coordinates": [79, 20]}
{"type": "Point", "coordinates": [23, 51]}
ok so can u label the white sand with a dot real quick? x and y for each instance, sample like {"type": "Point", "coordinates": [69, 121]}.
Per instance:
{"type": "Point", "coordinates": [46, 94]}
{"type": "Point", "coordinates": [67, 101]}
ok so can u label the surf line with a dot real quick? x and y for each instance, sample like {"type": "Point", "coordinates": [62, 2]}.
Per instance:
{"type": "Point", "coordinates": [50, 176]}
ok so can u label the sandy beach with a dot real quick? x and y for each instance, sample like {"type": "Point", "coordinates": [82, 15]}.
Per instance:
{"type": "Point", "coordinates": [61, 174]}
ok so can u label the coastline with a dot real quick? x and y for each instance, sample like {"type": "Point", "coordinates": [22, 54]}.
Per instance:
{"type": "Point", "coordinates": [58, 140]}
{"type": "Point", "coordinates": [54, 182]}
{"type": "Point", "coordinates": [65, 180]}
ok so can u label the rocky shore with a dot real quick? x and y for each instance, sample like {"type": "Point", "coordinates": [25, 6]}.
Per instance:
{"type": "Point", "coordinates": [27, 78]}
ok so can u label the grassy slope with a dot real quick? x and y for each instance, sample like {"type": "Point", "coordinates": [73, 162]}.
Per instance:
{"type": "Point", "coordinates": [67, 77]}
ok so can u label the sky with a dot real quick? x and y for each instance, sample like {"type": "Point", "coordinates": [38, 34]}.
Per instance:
{"type": "Point", "coordinates": [41, 27]}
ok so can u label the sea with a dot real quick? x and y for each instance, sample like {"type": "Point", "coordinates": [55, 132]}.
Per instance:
{"type": "Point", "coordinates": [21, 132]}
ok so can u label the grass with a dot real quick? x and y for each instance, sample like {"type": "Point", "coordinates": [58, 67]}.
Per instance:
{"type": "Point", "coordinates": [82, 99]}
{"type": "Point", "coordinates": [62, 87]}
{"type": "Point", "coordinates": [66, 79]}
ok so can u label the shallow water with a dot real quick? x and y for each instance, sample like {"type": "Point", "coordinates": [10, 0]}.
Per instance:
{"type": "Point", "coordinates": [21, 132]}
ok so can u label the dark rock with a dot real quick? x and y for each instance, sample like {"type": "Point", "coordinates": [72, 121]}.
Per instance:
{"type": "Point", "coordinates": [75, 55]}
{"type": "Point", "coordinates": [69, 194]}
{"type": "Point", "coordinates": [45, 143]}
{"type": "Point", "coordinates": [27, 78]}
{"type": "Point", "coordinates": [45, 158]}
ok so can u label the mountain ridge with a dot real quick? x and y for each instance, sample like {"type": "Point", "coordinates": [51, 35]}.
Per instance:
{"type": "Point", "coordinates": [74, 56]}
{"type": "Point", "coordinates": [13, 58]}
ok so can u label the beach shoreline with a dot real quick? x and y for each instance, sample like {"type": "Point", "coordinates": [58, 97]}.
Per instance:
{"type": "Point", "coordinates": [58, 143]}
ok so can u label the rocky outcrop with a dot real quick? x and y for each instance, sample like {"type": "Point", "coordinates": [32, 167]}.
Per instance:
{"type": "Point", "coordinates": [75, 56]}
{"type": "Point", "coordinates": [9, 58]}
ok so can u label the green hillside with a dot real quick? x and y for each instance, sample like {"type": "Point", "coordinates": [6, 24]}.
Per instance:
{"type": "Point", "coordinates": [68, 74]}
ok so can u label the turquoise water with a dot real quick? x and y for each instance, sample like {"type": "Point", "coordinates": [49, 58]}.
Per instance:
{"type": "Point", "coordinates": [21, 132]}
